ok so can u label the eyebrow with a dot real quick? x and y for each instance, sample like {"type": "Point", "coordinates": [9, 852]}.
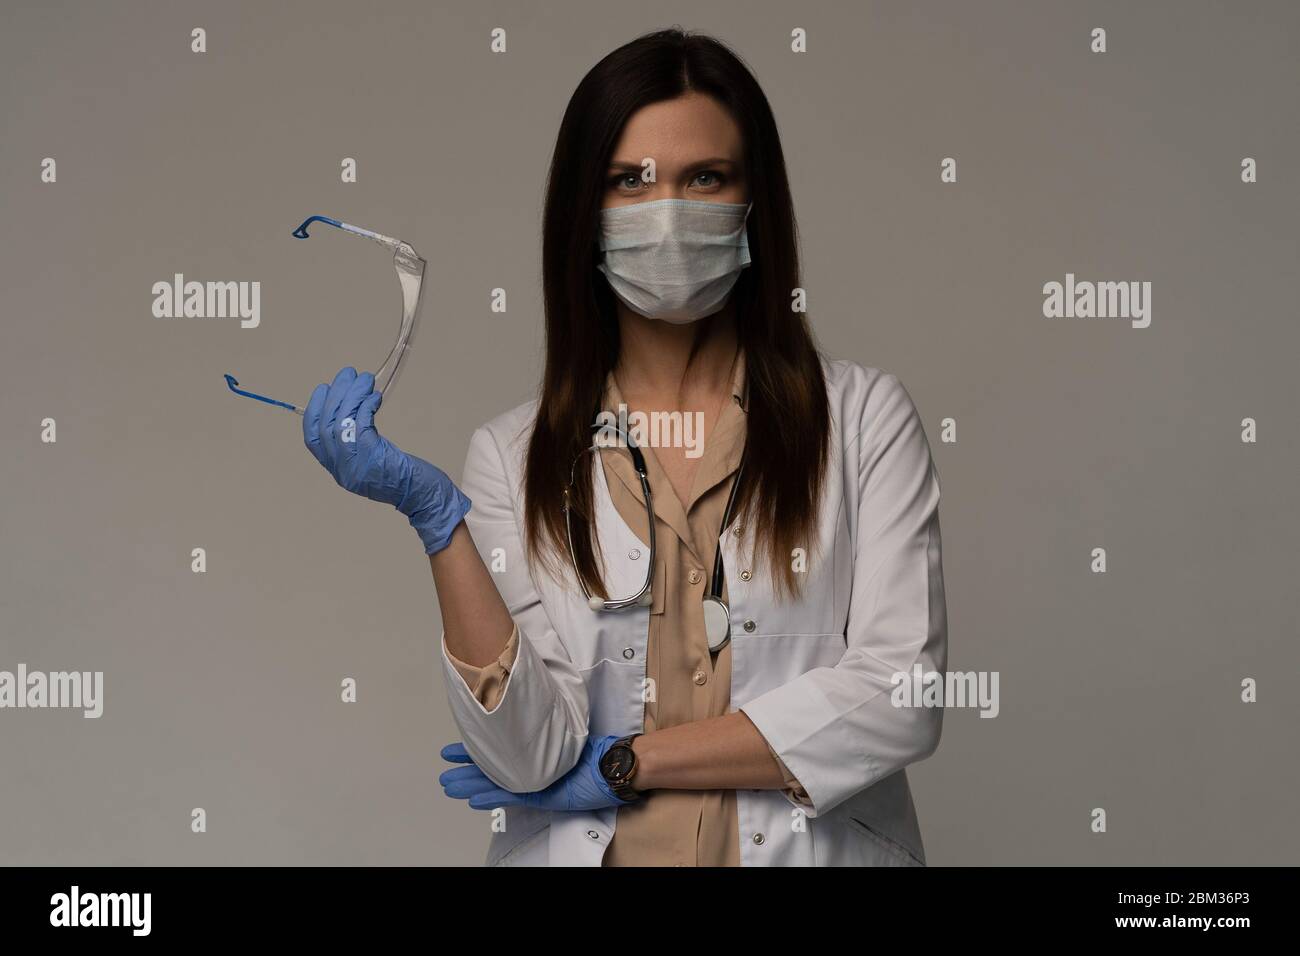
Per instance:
{"type": "Point", "coordinates": [711, 161]}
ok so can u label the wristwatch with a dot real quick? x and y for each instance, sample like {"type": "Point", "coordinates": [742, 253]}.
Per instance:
{"type": "Point", "coordinates": [618, 767]}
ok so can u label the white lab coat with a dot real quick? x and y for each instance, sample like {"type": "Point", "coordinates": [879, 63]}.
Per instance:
{"type": "Point", "coordinates": [814, 675]}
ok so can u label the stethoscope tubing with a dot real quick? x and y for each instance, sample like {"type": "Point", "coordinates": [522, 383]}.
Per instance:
{"type": "Point", "coordinates": [638, 462]}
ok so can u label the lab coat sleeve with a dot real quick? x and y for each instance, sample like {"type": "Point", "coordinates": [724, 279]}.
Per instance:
{"type": "Point", "coordinates": [488, 683]}
{"type": "Point", "coordinates": [836, 728]}
{"type": "Point", "coordinates": [534, 731]}
{"type": "Point", "coordinates": [794, 791]}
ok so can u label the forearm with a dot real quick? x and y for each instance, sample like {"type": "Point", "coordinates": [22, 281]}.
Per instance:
{"type": "Point", "coordinates": [720, 753]}
{"type": "Point", "coordinates": [476, 621]}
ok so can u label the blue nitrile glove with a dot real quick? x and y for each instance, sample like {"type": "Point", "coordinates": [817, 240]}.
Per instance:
{"type": "Point", "coordinates": [372, 466]}
{"type": "Point", "coordinates": [582, 788]}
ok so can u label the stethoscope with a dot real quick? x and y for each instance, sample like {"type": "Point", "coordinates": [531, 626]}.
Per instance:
{"type": "Point", "coordinates": [717, 616]}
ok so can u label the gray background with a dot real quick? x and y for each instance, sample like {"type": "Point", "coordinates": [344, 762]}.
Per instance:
{"type": "Point", "coordinates": [1118, 690]}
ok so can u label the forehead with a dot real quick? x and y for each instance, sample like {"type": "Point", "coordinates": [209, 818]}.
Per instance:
{"type": "Point", "coordinates": [679, 131]}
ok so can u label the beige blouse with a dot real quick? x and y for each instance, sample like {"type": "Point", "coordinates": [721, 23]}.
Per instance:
{"type": "Point", "coordinates": [671, 827]}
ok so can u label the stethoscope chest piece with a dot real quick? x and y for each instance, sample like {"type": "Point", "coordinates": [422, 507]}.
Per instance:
{"type": "Point", "coordinates": [717, 623]}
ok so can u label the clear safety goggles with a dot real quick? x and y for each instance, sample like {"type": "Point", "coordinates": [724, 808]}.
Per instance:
{"type": "Point", "coordinates": [410, 274]}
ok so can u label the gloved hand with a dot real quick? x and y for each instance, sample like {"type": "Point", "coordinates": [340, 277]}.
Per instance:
{"type": "Point", "coordinates": [582, 788]}
{"type": "Point", "coordinates": [365, 463]}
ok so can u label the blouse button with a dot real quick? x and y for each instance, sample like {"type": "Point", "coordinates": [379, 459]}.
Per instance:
{"type": "Point", "coordinates": [700, 677]}
{"type": "Point", "coordinates": [750, 626]}
{"type": "Point", "coordinates": [745, 575]}
{"type": "Point", "coordinates": [628, 653]}
{"type": "Point", "coordinates": [634, 554]}
{"type": "Point", "coordinates": [758, 839]}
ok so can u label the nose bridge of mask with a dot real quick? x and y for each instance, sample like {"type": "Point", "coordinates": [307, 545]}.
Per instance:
{"type": "Point", "coordinates": [682, 222]}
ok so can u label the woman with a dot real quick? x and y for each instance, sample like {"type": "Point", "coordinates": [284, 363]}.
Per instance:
{"type": "Point", "coordinates": [677, 730]}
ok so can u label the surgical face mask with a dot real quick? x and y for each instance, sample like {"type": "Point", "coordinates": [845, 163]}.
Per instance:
{"type": "Point", "coordinates": [674, 259]}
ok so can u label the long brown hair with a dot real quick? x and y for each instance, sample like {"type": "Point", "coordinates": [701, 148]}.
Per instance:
{"type": "Point", "coordinates": [788, 425]}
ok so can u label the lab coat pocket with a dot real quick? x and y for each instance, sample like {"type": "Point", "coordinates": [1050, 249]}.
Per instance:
{"type": "Point", "coordinates": [616, 697]}
{"type": "Point", "coordinates": [524, 829]}
{"type": "Point", "coordinates": [894, 853]}
{"type": "Point", "coordinates": [762, 662]}
{"type": "Point", "coordinates": [522, 853]}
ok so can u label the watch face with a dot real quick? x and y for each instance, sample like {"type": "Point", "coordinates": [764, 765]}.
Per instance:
{"type": "Point", "coordinates": [616, 763]}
